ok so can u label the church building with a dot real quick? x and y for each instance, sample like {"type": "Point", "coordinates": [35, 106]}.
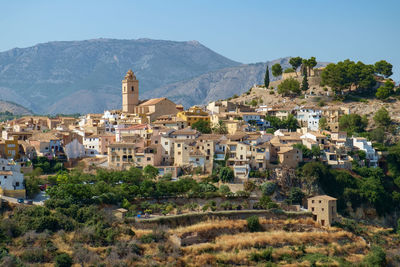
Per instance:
{"type": "Point", "coordinates": [151, 108]}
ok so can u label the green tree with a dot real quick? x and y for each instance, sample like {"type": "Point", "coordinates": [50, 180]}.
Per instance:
{"type": "Point", "coordinates": [277, 70]}
{"type": "Point", "coordinates": [63, 260]}
{"type": "Point", "coordinates": [226, 174]}
{"type": "Point", "coordinates": [290, 123]}
{"type": "Point", "coordinates": [347, 73]}
{"type": "Point", "coordinates": [383, 68]}
{"type": "Point", "coordinates": [323, 124]}
{"type": "Point", "coordinates": [289, 70]}
{"type": "Point", "coordinates": [386, 90]}
{"type": "Point", "coordinates": [382, 117]}
{"type": "Point", "coordinates": [289, 87]}
{"type": "Point", "coordinates": [376, 257]}
{"type": "Point", "coordinates": [316, 151]}
{"type": "Point", "coordinates": [150, 171]}
{"type": "Point", "coordinates": [295, 62]}
{"type": "Point", "coordinates": [310, 63]}
{"type": "Point", "coordinates": [253, 223]}
{"type": "Point", "coordinates": [32, 186]}
{"type": "Point", "coordinates": [296, 195]}
{"type": "Point", "coordinates": [304, 83]}
{"type": "Point", "coordinates": [266, 78]}
{"type": "Point", "coordinates": [268, 188]}
{"type": "Point", "coordinates": [353, 123]}
{"type": "Point", "coordinates": [202, 126]}
{"type": "Point", "coordinates": [378, 135]}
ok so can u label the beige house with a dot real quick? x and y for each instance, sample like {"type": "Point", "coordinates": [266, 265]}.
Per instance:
{"type": "Point", "coordinates": [125, 155]}
{"type": "Point", "coordinates": [323, 208]}
{"type": "Point", "coordinates": [156, 107]}
{"type": "Point", "coordinates": [290, 156]}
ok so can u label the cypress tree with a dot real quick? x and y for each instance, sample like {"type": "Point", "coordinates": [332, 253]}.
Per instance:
{"type": "Point", "coordinates": [266, 78]}
{"type": "Point", "coordinates": [304, 84]}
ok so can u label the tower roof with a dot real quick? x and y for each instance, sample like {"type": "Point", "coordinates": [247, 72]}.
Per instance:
{"type": "Point", "coordinates": [130, 75]}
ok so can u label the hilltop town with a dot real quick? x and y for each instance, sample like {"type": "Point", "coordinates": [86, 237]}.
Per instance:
{"type": "Point", "coordinates": [288, 167]}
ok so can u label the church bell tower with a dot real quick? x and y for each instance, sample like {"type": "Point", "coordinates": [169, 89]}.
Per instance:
{"type": "Point", "coordinates": [130, 92]}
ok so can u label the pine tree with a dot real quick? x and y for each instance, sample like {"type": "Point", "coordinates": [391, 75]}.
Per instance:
{"type": "Point", "coordinates": [266, 78]}
{"type": "Point", "coordinates": [304, 84]}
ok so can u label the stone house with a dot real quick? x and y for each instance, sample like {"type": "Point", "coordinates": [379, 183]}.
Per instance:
{"type": "Point", "coordinates": [323, 209]}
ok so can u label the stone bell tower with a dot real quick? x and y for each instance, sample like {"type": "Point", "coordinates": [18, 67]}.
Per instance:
{"type": "Point", "coordinates": [130, 92]}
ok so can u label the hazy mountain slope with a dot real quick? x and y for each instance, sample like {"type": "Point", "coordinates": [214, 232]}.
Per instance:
{"type": "Point", "coordinates": [216, 85]}
{"type": "Point", "coordinates": [52, 77]}
{"type": "Point", "coordinates": [14, 108]}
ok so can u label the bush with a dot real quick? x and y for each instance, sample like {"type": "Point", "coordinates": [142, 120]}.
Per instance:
{"type": "Point", "coordinates": [376, 257]}
{"type": "Point", "coordinates": [289, 87]}
{"type": "Point", "coordinates": [63, 260]}
{"type": "Point", "coordinates": [268, 188]}
{"type": "Point", "coordinates": [33, 255]}
{"type": "Point", "coordinates": [265, 255]}
{"type": "Point", "coordinates": [253, 224]}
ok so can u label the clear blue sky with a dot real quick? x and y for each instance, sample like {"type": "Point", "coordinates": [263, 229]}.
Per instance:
{"type": "Point", "coordinates": [246, 31]}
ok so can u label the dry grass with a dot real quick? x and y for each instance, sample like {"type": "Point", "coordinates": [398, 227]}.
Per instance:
{"type": "Point", "coordinates": [263, 239]}
{"type": "Point", "coordinates": [210, 225]}
{"type": "Point", "coordinates": [141, 232]}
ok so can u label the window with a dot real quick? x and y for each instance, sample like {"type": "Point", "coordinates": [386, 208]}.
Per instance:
{"type": "Point", "coordinates": [5, 176]}
{"type": "Point", "coordinates": [312, 209]}
{"type": "Point", "coordinates": [178, 145]}
{"type": "Point", "coordinates": [166, 143]}
{"type": "Point", "coordinates": [17, 184]}
{"type": "Point", "coordinates": [132, 88]}
{"type": "Point", "coordinates": [179, 153]}
{"type": "Point", "coordinates": [148, 158]}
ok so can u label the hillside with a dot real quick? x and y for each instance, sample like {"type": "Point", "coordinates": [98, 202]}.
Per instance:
{"type": "Point", "coordinates": [362, 105]}
{"type": "Point", "coordinates": [85, 76]}
{"type": "Point", "coordinates": [216, 85]}
{"type": "Point", "coordinates": [7, 106]}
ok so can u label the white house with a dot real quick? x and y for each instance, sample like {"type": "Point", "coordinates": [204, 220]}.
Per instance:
{"type": "Point", "coordinates": [92, 145]}
{"type": "Point", "coordinates": [362, 144]}
{"type": "Point", "coordinates": [11, 177]}
{"type": "Point", "coordinates": [309, 116]}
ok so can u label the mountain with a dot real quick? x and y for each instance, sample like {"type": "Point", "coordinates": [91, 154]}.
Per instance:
{"type": "Point", "coordinates": [215, 85]}
{"type": "Point", "coordinates": [85, 76]}
{"type": "Point", "coordinates": [15, 109]}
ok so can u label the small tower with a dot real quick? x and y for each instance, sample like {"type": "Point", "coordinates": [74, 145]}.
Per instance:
{"type": "Point", "coordinates": [130, 92]}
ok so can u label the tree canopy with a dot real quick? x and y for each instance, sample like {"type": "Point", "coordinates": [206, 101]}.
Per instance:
{"type": "Point", "coordinates": [353, 123]}
{"type": "Point", "coordinates": [346, 74]}
{"type": "Point", "coordinates": [289, 87]}
{"type": "Point", "coordinates": [383, 68]}
{"type": "Point", "coordinates": [266, 77]}
{"type": "Point", "coordinates": [277, 70]}
{"type": "Point", "coordinates": [202, 126]}
{"type": "Point", "coordinates": [295, 62]}
{"type": "Point", "coordinates": [385, 90]}
{"type": "Point", "coordinates": [382, 117]}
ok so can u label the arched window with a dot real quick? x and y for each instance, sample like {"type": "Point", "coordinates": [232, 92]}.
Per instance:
{"type": "Point", "coordinates": [132, 89]}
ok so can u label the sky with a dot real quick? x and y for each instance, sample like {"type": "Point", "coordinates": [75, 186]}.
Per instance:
{"type": "Point", "coordinates": [247, 31]}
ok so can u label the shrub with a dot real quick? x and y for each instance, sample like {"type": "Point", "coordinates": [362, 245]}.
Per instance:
{"type": "Point", "coordinates": [268, 188]}
{"type": "Point", "coordinates": [376, 257]}
{"type": "Point", "coordinates": [63, 260]}
{"type": "Point", "coordinates": [265, 255]}
{"type": "Point", "coordinates": [33, 255]}
{"type": "Point", "coordinates": [289, 87]}
{"type": "Point", "coordinates": [253, 224]}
